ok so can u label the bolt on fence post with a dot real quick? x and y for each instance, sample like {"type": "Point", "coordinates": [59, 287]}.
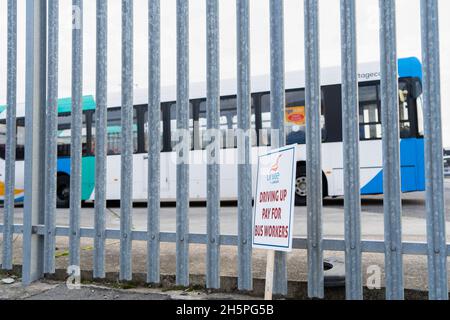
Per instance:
{"type": "Point", "coordinates": [277, 107]}
{"type": "Point", "coordinates": [126, 180]}
{"type": "Point", "coordinates": [350, 133]}
{"type": "Point", "coordinates": [213, 166]}
{"type": "Point", "coordinates": [435, 203]}
{"type": "Point", "coordinates": [10, 148]}
{"type": "Point", "coordinates": [101, 118]}
{"type": "Point", "coordinates": [313, 150]}
{"type": "Point", "coordinates": [391, 152]}
{"type": "Point", "coordinates": [35, 101]}
{"type": "Point", "coordinates": [51, 126]}
{"type": "Point", "coordinates": [76, 132]}
{"type": "Point", "coordinates": [245, 280]}
{"type": "Point", "coordinates": [154, 121]}
{"type": "Point", "coordinates": [182, 273]}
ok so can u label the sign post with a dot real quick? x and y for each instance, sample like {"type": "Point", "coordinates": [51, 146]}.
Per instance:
{"type": "Point", "coordinates": [273, 217]}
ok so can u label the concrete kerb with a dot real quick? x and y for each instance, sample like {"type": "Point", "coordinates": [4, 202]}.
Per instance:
{"type": "Point", "coordinates": [296, 289]}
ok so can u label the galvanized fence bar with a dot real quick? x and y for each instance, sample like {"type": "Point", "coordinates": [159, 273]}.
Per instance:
{"type": "Point", "coordinates": [213, 153]}
{"type": "Point", "coordinates": [245, 280]}
{"type": "Point", "coordinates": [10, 148]}
{"type": "Point", "coordinates": [338, 245]}
{"type": "Point", "coordinates": [313, 150]}
{"type": "Point", "coordinates": [76, 132]}
{"type": "Point", "coordinates": [101, 137]}
{"type": "Point", "coordinates": [277, 108]}
{"type": "Point", "coordinates": [350, 133]}
{"type": "Point", "coordinates": [182, 227]}
{"type": "Point", "coordinates": [51, 126]}
{"type": "Point", "coordinates": [35, 101]}
{"type": "Point", "coordinates": [154, 120]}
{"type": "Point", "coordinates": [39, 230]}
{"type": "Point", "coordinates": [391, 151]}
{"type": "Point", "coordinates": [435, 201]}
{"type": "Point", "coordinates": [126, 179]}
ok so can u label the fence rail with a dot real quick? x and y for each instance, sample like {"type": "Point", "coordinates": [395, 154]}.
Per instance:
{"type": "Point", "coordinates": [367, 246]}
{"type": "Point", "coordinates": [39, 229]}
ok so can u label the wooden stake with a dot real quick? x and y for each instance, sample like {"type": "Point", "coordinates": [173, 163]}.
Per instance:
{"type": "Point", "coordinates": [269, 274]}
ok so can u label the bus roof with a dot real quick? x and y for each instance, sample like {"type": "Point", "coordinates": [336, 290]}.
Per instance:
{"type": "Point", "coordinates": [408, 68]}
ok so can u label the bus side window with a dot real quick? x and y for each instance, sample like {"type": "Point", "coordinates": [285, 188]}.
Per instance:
{"type": "Point", "coordinates": [265, 132]}
{"type": "Point", "coordinates": [369, 112]}
{"type": "Point", "coordinates": [2, 139]}
{"type": "Point", "coordinates": [420, 125]}
{"type": "Point", "coordinates": [173, 125]}
{"type": "Point", "coordinates": [146, 128]}
{"type": "Point", "coordinates": [228, 123]}
{"type": "Point", "coordinates": [404, 116]}
{"type": "Point", "coordinates": [20, 139]}
{"type": "Point", "coordinates": [65, 134]}
{"type": "Point", "coordinates": [114, 132]}
{"type": "Point", "coordinates": [295, 118]}
{"type": "Point", "coordinates": [253, 134]}
{"type": "Point", "coordinates": [202, 140]}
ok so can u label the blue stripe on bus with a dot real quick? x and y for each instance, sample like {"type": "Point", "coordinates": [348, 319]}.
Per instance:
{"type": "Point", "coordinates": [412, 169]}
{"type": "Point", "coordinates": [17, 200]}
{"type": "Point", "coordinates": [64, 165]}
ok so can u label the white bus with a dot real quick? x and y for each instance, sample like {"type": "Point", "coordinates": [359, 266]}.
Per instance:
{"type": "Point", "coordinates": [411, 131]}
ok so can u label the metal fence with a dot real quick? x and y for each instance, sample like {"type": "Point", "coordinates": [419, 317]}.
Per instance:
{"type": "Point", "coordinates": [39, 229]}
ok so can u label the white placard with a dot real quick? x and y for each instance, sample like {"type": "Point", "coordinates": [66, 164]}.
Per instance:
{"type": "Point", "coordinates": [273, 217]}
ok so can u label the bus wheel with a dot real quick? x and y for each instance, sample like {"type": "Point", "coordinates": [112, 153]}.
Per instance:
{"type": "Point", "coordinates": [300, 187]}
{"type": "Point", "coordinates": [63, 192]}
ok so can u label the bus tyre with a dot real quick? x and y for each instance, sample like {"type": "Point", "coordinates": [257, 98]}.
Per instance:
{"type": "Point", "coordinates": [63, 192]}
{"type": "Point", "coordinates": [300, 186]}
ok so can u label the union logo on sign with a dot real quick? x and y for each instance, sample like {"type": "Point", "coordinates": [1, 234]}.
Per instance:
{"type": "Point", "coordinates": [274, 175]}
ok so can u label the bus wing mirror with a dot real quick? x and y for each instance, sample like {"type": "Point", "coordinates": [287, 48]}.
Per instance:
{"type": "Point", "coordinates": [416, 89]}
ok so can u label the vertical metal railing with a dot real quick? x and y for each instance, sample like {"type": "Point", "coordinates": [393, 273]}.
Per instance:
{"type": "Point", "coordinates": [154, 122]}
{"type": "Point", "coordinates": [313, 150]}
{"type": "Point", "coordinates": [277, 108]}
{"type": "Point", "coordinates": [350, 133]}
{"type": "Point", "coordinates": [127, 151]}
{"type": "Point", "coordinates": [435, 201]}
{"type": "Point", "coordinates": [391, 151]}
{"type": "Point", "coordinates": [35, 101]}
{"type": "Point", "coordinates": [51, 125]}
{"type": "Point", "coordinates": [41, 111]}
{"type": "Point", "coordinates": [213, 152]}
{"type": "Point", "coordinates": [76, 132]}
{"type": "Point", "coordinates": [101, 88]}
{"type": "Point", "coordinates": [245, 281]}
{"type": "Point", "coordinates": [183, 107]}
{"type": "Point", "coordinates": [10, 148]}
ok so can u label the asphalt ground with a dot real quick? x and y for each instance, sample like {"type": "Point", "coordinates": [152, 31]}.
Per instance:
{"type": "Point", "coordinates": [413, 225]}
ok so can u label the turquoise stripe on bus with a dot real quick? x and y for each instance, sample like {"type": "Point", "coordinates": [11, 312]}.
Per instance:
{"type": "Point", "coordinates": [65, 104]}
{"type": "Point", "coordinates": [87, 174]}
